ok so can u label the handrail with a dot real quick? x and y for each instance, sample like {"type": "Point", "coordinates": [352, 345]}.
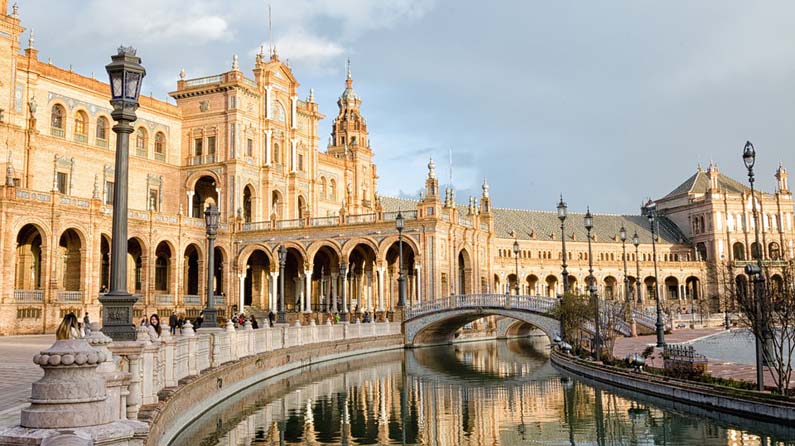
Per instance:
{"type": "Point", "coordinates": [523, 302]}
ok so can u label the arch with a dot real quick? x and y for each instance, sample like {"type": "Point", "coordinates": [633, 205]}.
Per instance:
{"type": "Point", "coordinates": [160, 144]}
{"type": "Point", "coordinates": [248, 196]}
{"type": "Point", "coordinates": [361, 258]}
{"type": "Point", "coordinates": [738, 251]}
{"type": "Point", "coordinates": [611, 288]}
{"type": "Point", "coordinates": [191, 276]}
{"type": "Point", "coordinates": [135, 264]}
{"type": "Point", "coordinates": [255, 284]}
{"type": "Point", "coordinates": [190, 183]}
{"type": "Point", "coordinates": [322, 187]}
{"type": "Point", "coordinates": [755, 251]}
{"type": "Point", "coordinates": [741, 287]}
{"type": "Point", "coordinates": [277, 205]}
{"type": "Point", "coordinates": [218, 273]}
{"type": "Point", "coordinates": [326, 243]}
{"type": "Point", "coordinates": [104, 263]}
{"type": "Point", "coordinates": [497, 282]}
{"type": "Point", "coordinates": [204, 193]}
{"type": "Point", "coordinates": [439, 327]}
{"type": "Point", "coordinates": [774, 251]}
{"type": "Point", "coordinates": [293, 276]}
{"type": "Point", "coordinates": [512, 283]}
{"type": "Point", "coordinates": [30, 258]}
{"type": "Point", "coordinates": [464, 276]}
{"type": "Point", "coordinates": [277, 111]}
{"type": "Point", "coordinates": [551, 282]}
{"type": "Point", "coordinates": [101, 132]}
{"type": "Point", "coordinates": [651, 289]}
{"type": "Point", "coordinates": [276, 152]}
{"type": "Point", "coordinates": [671, 287]}
{"type": "Point", "coordinates": [332, 189]}
{"type": "Point", "coordinates": [776, 284]}
{"type": "Point", "coordinates": [325, 262]}
{"type": "Point", "coordinates": [701, 252]}
{"type": "Point", "coordinates": [164, 253]}
{"type": "Point", "coordinates": [248, 250]}
{"type": "Point", "coordinates": [532, 284]}
{"type": "Point", "coordinates": [301, 211]}
{"type": "Point", "coordinates": [70, 245]}
{"type": "Point", "coordinates": [388, 242]}
{"type": "Point", "coordinates": [141, 141]}
{"type": "Point", "coordinates": [58, 118]}
{"type": "Point", "coordinates": [692, 287]}
{"type": "Point", "coordinates": [353, 243]}
{"type": "Point", "coordinates": [573, 284]}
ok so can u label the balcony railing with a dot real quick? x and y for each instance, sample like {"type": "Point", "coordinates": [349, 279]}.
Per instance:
{"type": "Point", "coordinates": [29, 296]}
{"type": "Point", "coordinates": [160, 156]}
{"type": "Point", "coordinates": [324, 221]}
{"type": "Point", "coordinates": [361, 218]}
{"type": "Point", "coordinates": [192, 299]}
{"type": "Point", "coordinates": [165, 299]}
{"type": "Point", "coordinates": [204, 81]}
{"type": "Point", "coordinates": [141, 151]}
{"type": "Point", "coordinates": [332, 220]}
{"type": "Point", "coordinates": [81, 138]}
{"type": "Point", "coordinates": [289, 224]}
{"type": "Point", "coordinates": [70, 296]}
{"type": "Point", "coordinates": [407, 214]}
{"type": "Point", "coordinates": [201, 159]}
{"type": "Point", "coordinates": [101, 142]}
{"type": "Point", "coordinates": [55, 131]}
{"type": "Point", "coordinates": [257, 226]}
{"type": "Point", "coordinates": [219, 300]}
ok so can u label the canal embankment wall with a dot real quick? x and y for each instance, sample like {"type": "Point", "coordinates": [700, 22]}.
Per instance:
{"type": "Point", "coordinates": [743, 403]}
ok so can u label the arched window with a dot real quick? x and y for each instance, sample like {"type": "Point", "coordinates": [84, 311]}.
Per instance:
{"type": "Point", "coordinates": [57, 120]}
{"type": "Point", "coordinates": [160, 146]}
{"type": "Point", "coordinates": [276, 153]}
{"type": "Point", "coordinates": [161, 273]}
{"type": "Point", "coordinates": [738, 250]}
{"type": "Point", "coordinates": [140, 142]}
{"type": "Point", "coordinates": [322, 187]}
{"type": "Point", "coordinates": [81, 126]}
{"type": "Point", "coordinates": [332, 191]}
{"type": "Point", "coordinates": [277, 111]}
{"type": "Point", "coordinates": [102, 131]}
{"type": "Point", "coordinates": [774, 251]}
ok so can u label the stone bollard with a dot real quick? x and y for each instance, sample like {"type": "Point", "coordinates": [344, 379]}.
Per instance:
{"type": "Point", "coordinates": [71, 393]}
{"type": "Point", "coordinates": [116, 381]}
{"type": "Point", "coordinates": [187, 329]}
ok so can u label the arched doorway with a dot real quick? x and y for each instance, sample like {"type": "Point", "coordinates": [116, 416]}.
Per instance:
{"type": "Point", "coordinates": [276, 205]}
{"type": "Point", "coordinates": [552, 286]}
{"type": "Point", "coordinates": [774, 251]}
{"type": "Point", "coordinates": [29, 259]}
{"type": "Point", "coordinates": [302, 210]}
{"type": "Point", "coordinates": [218, 274]}
{"type": "Point", "coordinates": [293, 279]}
{"type": "Point", "coordinates": [738, 251]}
{"type": "Point", "coordinates": [497, 284]}
{"type": "Point", "coordinates": [69, 252]}
{"type": "Point", "coordinates": [361, 281]}
{"type": "Point", "coordinates": [255, 284]}
{"type": "Point", "coordinates": [512, 284]}
{"type": "Point", "coordinates": [204, 193]}
{"type": "Point", "coordinates": [464, 273]}
{"type": "Point", "coordinates": [611, 290]}
{"type": "Point", "coordinates": [191, 270]}
{"type": "Point", "coordinates": [532, 284]}
{"type": "Point", "coordinates": [741, 284]}
{"type": "Point", "coordinates": [776, 283]}
{"type": "Point", "coordinates": [573, 284]}
{"type": "Point", "coordinates": [651, 289]}
{"type": "Point", "coordinates": [693, 288]}
{"type": "Point", "coordinates": [135, 276]}
{"type": "Point", "coordinates": [325, 268]}
{"type": "Point", "coordinates": [701, 252]}
{"type": "Point", "coordinates": [104, 263]}
{"type": "Point", "coordinates": [248, 194]}
{"type": "Point", "coordinates": [671, 288]}
{"type": "Point", "coordinates": [163, 257]}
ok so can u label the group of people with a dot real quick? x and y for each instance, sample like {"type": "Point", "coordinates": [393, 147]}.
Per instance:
{"type": "Point", "coordinates": [240, 320]}
{"type": "Point", "coordinates": [71, 328]}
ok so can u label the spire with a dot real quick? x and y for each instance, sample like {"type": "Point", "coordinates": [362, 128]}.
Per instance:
{"type": "Point", "coordinates": [311, 97]}
{"type": "Point", "coordinates": [349, 78]}
{"type": "Point", "coordinates": [349, 93]}
{"type": "Point", "coordinates": [31, 39]}
{"type": "Point", "coordinates": [15, 10]}
{"type": "Point", "coordinates": [235, 65]}
{"type": "Point", "coordinates": [431, 169]}
{"type": "Point", "coordinates": [182, 74]}
{"type": "Point", "coordinates": [781, 176]}
{"type": "Point", "coordinates": [485, 188]}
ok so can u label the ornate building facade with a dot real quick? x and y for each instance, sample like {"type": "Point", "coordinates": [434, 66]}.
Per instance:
{"type": "Point", "coordinates": [251, 146]}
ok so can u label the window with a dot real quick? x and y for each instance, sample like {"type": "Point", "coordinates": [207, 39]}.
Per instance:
{"type": "Point", "coordinates": [211, 145]}
{"type": "Point", "coordinates": [109, 192]}
{"type": "Point", "coordinates": [140, 142]}
{"type": "Point", "coordinates": [250, 147]}
{"type": "Point", "coordinates": [197, 147]}
{"type": "Point", "coordinates": [57, 120]}
{"type": "Point", "coordinates": [160, 145]}
{"type": "Point", "coordinates": [62, 182]}
{"type": "Point", "coordinates": [300, 162]}
{"type": "Point", "coordinates": [161, 273]}
{"type": "Point", "coordinates": [154, 200]}
{"type": "Point", "coordinates": [322, 187]}
{"type": "Point", "coordinates": [332, 191]}
{"type": "Point", "coordinates": [276, 153]}
{"type": "Point", "coordinates": [102, 131]}
{"type": "Point", "coordinates": [232, 101]}
{"type": "Point", "coordinates": [81, 126]}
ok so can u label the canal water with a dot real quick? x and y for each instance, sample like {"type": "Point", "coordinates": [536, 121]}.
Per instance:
{"type": "Point", "coordinates": [480, 393]}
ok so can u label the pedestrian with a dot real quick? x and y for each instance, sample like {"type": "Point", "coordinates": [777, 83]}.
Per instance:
{"type": "Point", "coordinates": [68, 328]}
{"type": "Point", "coordinates": [271, 318]}
{"type": "Point", "coordinates": [197, 324]}
{"type": "Point", "coordinates": [154, 326]}
{"type": "Point", "coordinates": [254, 323]}
{"type": "Point", "coordinates": [180, 323]}
{"type": "Point", "coordinates": [86, 323]}
{"type": "Point", "coordinates": [172, 323]}
{"type": "Point", "coordinates": [336, 317]}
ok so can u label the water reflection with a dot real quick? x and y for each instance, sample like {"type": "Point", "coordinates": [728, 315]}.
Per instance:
{"type": "Point", "coordinates": [488, 393]}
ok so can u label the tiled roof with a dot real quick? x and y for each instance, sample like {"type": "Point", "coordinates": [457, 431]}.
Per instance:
{"type": "Point", "coordinates": [698, 183]}
{"type": "Point", "coordinates": [539, 225]}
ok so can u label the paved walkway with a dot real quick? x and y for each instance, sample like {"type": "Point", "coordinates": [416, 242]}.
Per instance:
{"type": "Point", "coordinates": [17, 373]}
{"type": "Point", "coordinates": [743, 372]}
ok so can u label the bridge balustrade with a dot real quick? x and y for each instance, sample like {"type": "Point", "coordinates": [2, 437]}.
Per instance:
{"type": "Point", "coordinates": [524, 302]}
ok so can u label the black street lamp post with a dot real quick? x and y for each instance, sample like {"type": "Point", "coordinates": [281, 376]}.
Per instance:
{"type": "Point", "coordinates": [400, 224]}
{"type": "Point", "coordinates": [282, 253]}
{"type": "Point", "coordinates": [126, 74]}
{"type": "Point", "coordinates": [651, 213]}
{"type": "Point", "coordinates": [211, 215]}
{"type": "Point", "coordinates": [622, 233]}
{"type": "Point", "coordinates": [516, 260]}
{"type": "Point", "coordinates": [562, 217]}
{"type": "Point", "coordinates": [755, 271]}
{"type": "Point", "coordinates": [597, 340]}
{"type": "Point", "coordinates": [636, 242]}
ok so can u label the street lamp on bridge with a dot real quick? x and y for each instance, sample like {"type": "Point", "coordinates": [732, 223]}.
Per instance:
{"type": "Point", "coordinates": [211, 215]}
{"type": "Point", "coordinates": [562, 216]}
{"type": "Point", "coordinates": [636, 242]}
{"type": "Point", "coordinates": [126, 74]}
{"type": "Point", "coordinates": [282, 253]}
{"type": "Point", "coordinates": [400, 223]}
{"type": "Point", "coordinates": [516, 260]}
{"type": "Point", "coordinates": [597, 341]}
{"type": "Point", "coordinates": [650, 209]}
{"type": "Point", "coordinates": [622, 233]}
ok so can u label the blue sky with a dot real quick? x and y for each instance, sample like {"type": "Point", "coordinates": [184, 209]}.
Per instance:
{"type": "Point", "coordinates": [607, 102]}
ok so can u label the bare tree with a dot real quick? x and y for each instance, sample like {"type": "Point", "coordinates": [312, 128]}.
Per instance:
{"type": "Point", "coordinates": [773, 320]}
{"type": "Point", "coordinates": [612, 319]}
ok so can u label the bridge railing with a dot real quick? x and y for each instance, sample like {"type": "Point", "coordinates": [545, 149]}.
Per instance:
{"type": "Point", "coordinates": [524, 302]}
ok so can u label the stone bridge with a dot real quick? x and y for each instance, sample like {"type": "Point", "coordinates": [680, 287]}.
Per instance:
{"type": "Point", "coordinates": [435, 322]}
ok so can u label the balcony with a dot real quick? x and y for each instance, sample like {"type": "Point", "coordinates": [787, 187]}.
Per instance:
{"type": "Point", "coordinates": [70, 296]}
{"type": "Point", "coordinates": [198, 160]}
{"type": "Point", "coordinates": [29, 296]}
{"type": "Point", "coordinates": [207, 80]}
{"type": "Point", "coordinates": [101, 142]}
{"type": "Point", "coordinates": [160, 156]}
{"type": "Point", "coordinates": [81, 138]}
{"type": "Point", "coordinates": [191, 299]}
{"type": "Point", "coordinates": [219, 301]}
{"type": "Point", "coordinates": [362, 218]}
{"type": "Point", "coordinates": [290, 224]}
{"type": "Point", "coordinates": [257, 226]}
{"type": "Point", "coordinates": [324, 221]}
{"type": "Point", "coordinates": [165, 299]}
{"type": "Point", "coordinates": [58, 133]}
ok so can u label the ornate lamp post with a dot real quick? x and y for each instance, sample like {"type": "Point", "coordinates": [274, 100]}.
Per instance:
{"type": "Point", "coordinates": [282, 253]}
{"type": "Point", "coordinates": [516, 260]}
{"type": "Point", "coordinates": [651, 213]}
{"type": "Point", "coordinates": [562, 216]}
{"type": "Point", "coordinates": [755, 271]}
{"type": "Point", "coordinates": [622, 233]}
{"type": "Point", "coordinates": [126, 74]}
{"type": "Point", "coordinates": [636, 242]}
{"type": "Point", "coordinates": [211, 215]}
{"type": "Point", "coordinates": [400, 224]}
{"type": "Point", "coordinates": [597, 341]}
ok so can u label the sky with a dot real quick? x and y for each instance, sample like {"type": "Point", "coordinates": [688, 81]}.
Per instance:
{"type": "Point", "coordinates": [607, 102]}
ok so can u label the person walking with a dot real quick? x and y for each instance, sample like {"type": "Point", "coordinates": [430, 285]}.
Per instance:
{"type": "Point", "coordinates": [254, 323]}
{"type": "Point", "coordinates": [86, 323]}
{"type": "Point", "coordinates": [271, 318]}
{"type": "Point", "coordinates": [199, 320]}
{"type": "Point", "coordinates": [172, 323]}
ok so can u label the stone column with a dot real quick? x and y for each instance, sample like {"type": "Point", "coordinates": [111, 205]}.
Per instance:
{"type": "Point", "coordinates": [293, 157]}
{"type": "Point", "coordinates": [219, 204]}
{"type": "Point", "coordinates": [380, 272]}
{"type": "Point", "coordinates": [273, 291]}
{"type": "Point", "coordinates": [418, 270]}
{"type": "Point", "coordinates": [268, 147]}
{"type": "Point", "coordinates": [190, 203]}
{"type": "Point", "coordinates": [343, 286]}
{"type": "Point", "coordinates": [333, 291]}
{"type": "Point", "coordinates": [308, 291]}
{"type": "Point", "coordinates": [242, 291]}
{"type": "Point", "coordinates": [369, 292]}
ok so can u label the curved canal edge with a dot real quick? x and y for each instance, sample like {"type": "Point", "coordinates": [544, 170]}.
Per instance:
{"type": "Point", "coordinates": [180, 406]}
{"type": "Point", "coordinates": [743, 403]}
